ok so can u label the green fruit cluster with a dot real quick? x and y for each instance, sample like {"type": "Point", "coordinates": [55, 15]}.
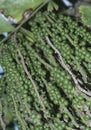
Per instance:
{"type": "Point", "coordinates": [36, 89]}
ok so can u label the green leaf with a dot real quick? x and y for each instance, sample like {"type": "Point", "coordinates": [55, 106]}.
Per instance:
{"type": "Point", "coordinates": [55, 6]}
{"type": "Point", "coordinates": [52, 5]}
{"type": "Point", "coordinates": [16, 8]}
{"type": "Point", "coordinates": [85, 11]}
{"type": "Point", "coordinates": [5, 26]}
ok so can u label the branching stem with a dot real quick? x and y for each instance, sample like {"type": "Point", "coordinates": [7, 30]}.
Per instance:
{"type": "Point", "coordinates": [31, 79]}
{"type": "Point", "coordinates": [1, 120]}
{"type": "Point", "coordinates": [67, 68]}
{"type": "Point", "coordinates": [2, 123]}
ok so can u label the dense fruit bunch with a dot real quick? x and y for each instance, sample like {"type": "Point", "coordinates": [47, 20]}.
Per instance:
{"type": "Point", "coordinates": [37, 89]}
